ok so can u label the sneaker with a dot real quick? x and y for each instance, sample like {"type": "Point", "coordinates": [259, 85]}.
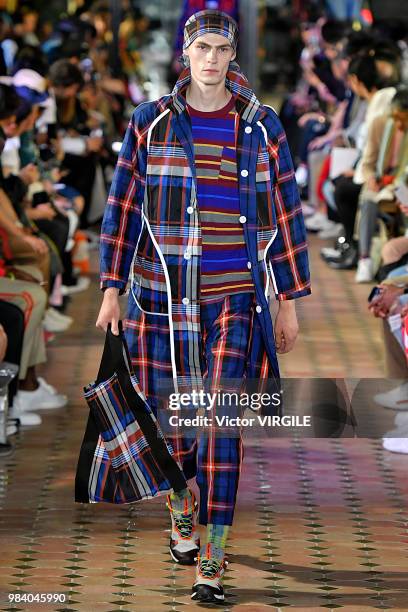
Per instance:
{"type": "Point", "coordinates": [51, 324]}
{"type": "Point", "coordinates": [301, 175]}
{"type": "Point", "coordinates": [184, 539]}
{"type": "Point", "coordinates": [396, 399]}
{"type": "Point", "coordinates": [82, 284]}
{"type": "Point", "coordinates": [364, 272]}
{"type": "Point", "coordinates": [330, 232]}
{"type": "Point", "coordinates": [11, 429]}
{"type": "Point", "coordinates": [40, 399]}
{"type": "Point", "coordinates": [26, 419]}
{"type": "Point", "coordinates": [347, 261]}
{"type": "Point", "coordinates": [330, 252]}
{"type": "Point", "coordinates": [396, 445]}
{"type": "Point", "coordinates": [318, 222]}
{"type": "Point", "coordinates": [308, 210]}
{"type": "Point", "coordinates": [58, 316]}
{"type": "Point", "coordinates": [210, 570]}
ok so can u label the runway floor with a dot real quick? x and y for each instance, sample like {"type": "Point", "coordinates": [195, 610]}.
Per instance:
{"type": "Point", "coordinates": [319, 523]}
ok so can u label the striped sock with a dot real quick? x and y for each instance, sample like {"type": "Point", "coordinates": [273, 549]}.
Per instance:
{"type": "Point", "coordinates": [217, 536]}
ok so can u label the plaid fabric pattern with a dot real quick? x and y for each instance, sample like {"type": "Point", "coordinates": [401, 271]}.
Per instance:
{"type": "Point", "coordinates": [122, 454]}
{"type": "Point", "coordinates": [226, 334]}
{"type": "Point", "coordinates": [152, 219]}
{"type": "Point", "coordinates": [194, 6]}
{"type": "Point", "coordinates": [210, 22]}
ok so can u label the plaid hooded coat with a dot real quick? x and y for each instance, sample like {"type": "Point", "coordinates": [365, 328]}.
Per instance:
{"type": "Point", "coordinates": [151, 232]}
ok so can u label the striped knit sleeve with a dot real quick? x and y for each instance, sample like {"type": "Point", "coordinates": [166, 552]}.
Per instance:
{"type": "Point", "coordinates": [288, 255]}
{"type": "Point", "coordinates": [122, 218]}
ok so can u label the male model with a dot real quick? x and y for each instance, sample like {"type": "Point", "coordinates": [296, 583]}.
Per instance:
{"type": "Point", "coordinates": [204, 213]}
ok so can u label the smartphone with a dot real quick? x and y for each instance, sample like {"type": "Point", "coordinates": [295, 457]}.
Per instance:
{"type": "Point", "coordinates": [374, 292]}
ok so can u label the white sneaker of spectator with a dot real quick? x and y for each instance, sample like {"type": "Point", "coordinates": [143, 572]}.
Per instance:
{"type": "Point", "coordinates": [331, 252]}
{"type": "Point", "coordinates": [331, 232]}
{"type": "Point", "coordinates": [58, 316]}
{"type": "Point", "coordinates": [55, 321]}
{"type": "Point", "coordinates": [396, 445]}
{"type": "Point", "coordinates": [27, 419]}
{"type": "Point", "coordinates": [301, 175]}
{"type": "Point", "coordinates": [396, 399]}
{"type": "Point", "coordinates": [81, 285]}
{"type": "Point", "coordinates": [40, 399]}
{"type": "Point", "coordinates": [308, 210]}
{"type": "Point", "coordinates": [318, 222]}
{"type": "Point", "coordinates": [11, 429]}
{"type": "Point", "coordinates": [364, 272]}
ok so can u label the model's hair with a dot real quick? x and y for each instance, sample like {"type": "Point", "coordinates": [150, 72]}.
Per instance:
{"type": "Point", "coordinates": [363, 67]}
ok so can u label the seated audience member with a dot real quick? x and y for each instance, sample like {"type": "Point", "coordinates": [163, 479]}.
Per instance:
{"type": "Point", "coordinates": [11, 338]}
{"type": "Point", "coordinates": [366, 83]}
{"type": "Point", "coordinates": [383, 164]}
{"type": "Point", "coordinates": [81, 145]}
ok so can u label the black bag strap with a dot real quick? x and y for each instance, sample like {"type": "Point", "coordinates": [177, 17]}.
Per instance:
{"type": "Point", "coordinates": [112, 356]}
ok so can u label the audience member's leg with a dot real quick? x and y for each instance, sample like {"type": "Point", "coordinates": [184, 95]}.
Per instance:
{"type": "Point", "coordinates": [395, 362]}
{"type": "Point", "coordinates": [12, 320]}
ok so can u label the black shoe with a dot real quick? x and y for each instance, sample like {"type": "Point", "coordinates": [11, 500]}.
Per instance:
{"type": "Point", "coordinates": [347, 262]}
{"type": "Point", "coordinates": [209, 574]}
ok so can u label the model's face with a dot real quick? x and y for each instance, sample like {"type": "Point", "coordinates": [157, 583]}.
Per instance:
{"type": "Point", "coordinates": [210, 56]}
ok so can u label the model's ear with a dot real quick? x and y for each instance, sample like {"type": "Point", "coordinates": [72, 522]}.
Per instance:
{"type": "Point", "coordinates": [234, 55]}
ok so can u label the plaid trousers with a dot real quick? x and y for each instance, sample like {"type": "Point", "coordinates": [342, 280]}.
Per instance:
{"type": "Point", "coordinates": [215, 460]}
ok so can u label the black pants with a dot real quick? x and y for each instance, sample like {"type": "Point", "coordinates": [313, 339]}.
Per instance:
{"type": "Point", "coordinates": [346, 197]}
{"type": "Point", "coordinates": [12, 319]}
{"type": "Point", "coordinates": [57, 229]}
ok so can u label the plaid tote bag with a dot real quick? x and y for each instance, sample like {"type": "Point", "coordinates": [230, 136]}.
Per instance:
{"type": "Point", "coordinates": [124, 456]}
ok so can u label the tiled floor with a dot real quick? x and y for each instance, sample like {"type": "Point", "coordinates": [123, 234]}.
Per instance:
{"type": "Point", "coordinates": [319, 523]}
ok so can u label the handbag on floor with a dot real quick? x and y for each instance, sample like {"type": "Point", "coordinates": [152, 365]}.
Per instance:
{"type": "Point", "coordinates": [124, 456]}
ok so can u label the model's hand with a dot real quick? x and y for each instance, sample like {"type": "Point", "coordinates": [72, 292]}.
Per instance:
{"type": "Point", "coordinates": [110, 311]}
{"type": "Point", "coordinates": [286, 327]}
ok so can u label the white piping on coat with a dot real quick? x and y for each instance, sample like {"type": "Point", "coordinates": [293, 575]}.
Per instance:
{"type": "Point", "coordinates": [270, 266]}
{"type": "Point", "coordinates": [165, 270]}
{"type": "Point", "coordinates": [149, 132]}
{"type": "Point", "coordinates": [265, 133]}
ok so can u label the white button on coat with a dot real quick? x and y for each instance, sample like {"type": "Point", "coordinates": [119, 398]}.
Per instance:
{"type": "Point", "coordinates": [244, 173]}
{"type": "Point", "coordinates": [249, 265]}
{"type": "Point", "coordinates": [187, 255]}
{"type": "Point", "coordinates": [242, 219]}
{"type": "Point", "coordinates": [248, 129]}
{"type": "Point", "coordinates": [258, 308]}
{"type": "Point", "coordinates": [185, 300]}
{"type": "Point", "coordinates": [190, 210]}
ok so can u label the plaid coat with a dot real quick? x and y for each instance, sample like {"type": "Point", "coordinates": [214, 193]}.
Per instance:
{"type": "Point", "coordinates": [151, 232]}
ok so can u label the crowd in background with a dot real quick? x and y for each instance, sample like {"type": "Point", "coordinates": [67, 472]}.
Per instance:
{"type": "Point", "coordinates": [65, 99]}
{"type": "Point", "coordinates": [61, 112]}
{"type": "Point", "coordinates": [347, 123]}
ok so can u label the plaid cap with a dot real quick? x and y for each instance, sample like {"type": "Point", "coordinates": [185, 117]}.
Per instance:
{"type": "Point", "coordinates": [210, 22]}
